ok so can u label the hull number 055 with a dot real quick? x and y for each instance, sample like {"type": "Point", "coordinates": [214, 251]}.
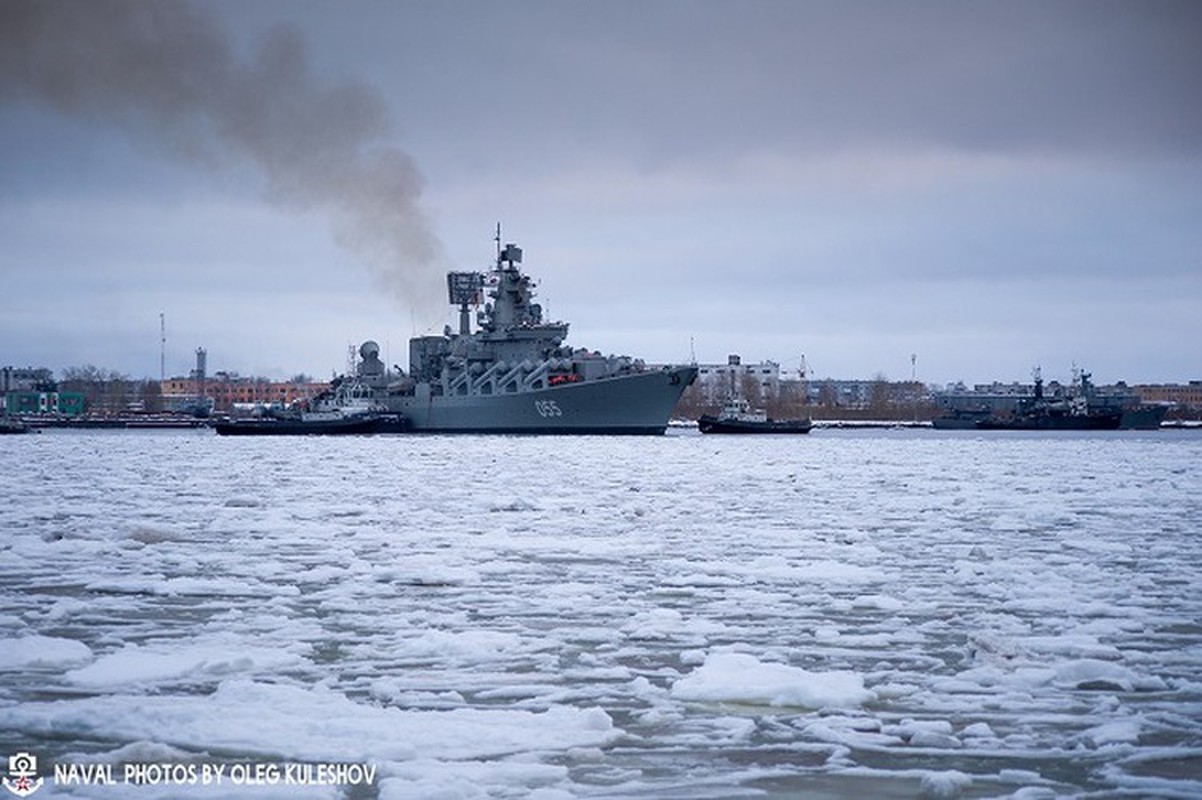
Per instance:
{"type": "Point", "coordinates": [547, 408]}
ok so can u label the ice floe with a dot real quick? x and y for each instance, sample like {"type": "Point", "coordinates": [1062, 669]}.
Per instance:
{"type": "Point", "coordinates": [742, 678]}
{"type": "Point", "coordinates": [42, 652]}
{"type": "Point", "coordinates": [860, 614]}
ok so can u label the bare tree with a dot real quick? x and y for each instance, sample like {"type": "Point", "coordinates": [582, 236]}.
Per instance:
{"type": "Point", "coordinates": [152, 396]}
{"type": "Point", "coordinates": [827, 397]}
{"type": "Point", "coordinates": [103, 390]}
{"type": "Point", "coordinates": [693, 402]}
{"type": "Point", "coordinates": [880, 395]}
{"type": "Point", "coordinates": [789, 402]}
{"type": "Point", "coordinates": [750, 389]}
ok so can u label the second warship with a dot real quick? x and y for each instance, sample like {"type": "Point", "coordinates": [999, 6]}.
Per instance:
{"type": "Point", "coordinates": [1078, 410]}
{"type": "Point", "coordinates": [514, 374]}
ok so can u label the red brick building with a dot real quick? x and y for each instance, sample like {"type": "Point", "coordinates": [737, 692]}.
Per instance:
{"type": "Point", "coordinates": [225, 390]}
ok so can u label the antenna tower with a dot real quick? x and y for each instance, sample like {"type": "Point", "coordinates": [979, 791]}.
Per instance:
{"type": "Point", "coordinates": [162, 348]}
{"type": "Point", "coordinates": [803, 373]}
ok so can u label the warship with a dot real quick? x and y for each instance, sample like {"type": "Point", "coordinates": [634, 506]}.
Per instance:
{"type": "Point", "coordinates": [1073, 412]}
{"type": "Point", "coordinates": [513, 373]}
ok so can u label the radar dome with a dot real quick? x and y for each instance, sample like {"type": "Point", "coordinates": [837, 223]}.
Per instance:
{"type": "Point", "coordinates": [369, 350]}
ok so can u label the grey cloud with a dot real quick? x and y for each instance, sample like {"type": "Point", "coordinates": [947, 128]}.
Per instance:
{"type": "Point", "coordinates": [169, 75]}
{"type": "Point", "coordinates": [680, 80]}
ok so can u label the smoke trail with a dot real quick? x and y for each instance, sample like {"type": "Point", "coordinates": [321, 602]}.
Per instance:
{"type": "Point", "coordinates": [170, 76]}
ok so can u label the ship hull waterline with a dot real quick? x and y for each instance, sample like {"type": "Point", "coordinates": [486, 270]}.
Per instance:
{"type": "Point", "coordinates": [344, 427]}
{"type": "Point", "coordinates": [1092, 422]}
{"type": "Point", "coordinates": [637, 404]}
{"type": "Point", "coordinates": [778, 427]}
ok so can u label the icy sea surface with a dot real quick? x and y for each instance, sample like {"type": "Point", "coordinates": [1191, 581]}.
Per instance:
{"type": "Point", "coordinates": [848, 614]}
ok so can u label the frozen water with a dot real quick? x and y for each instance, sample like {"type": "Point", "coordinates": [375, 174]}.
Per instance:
{"type": "Point", "coordinates": [41, 652]}
{"type": "Point", "coordinates": [741, 678]}
{"type": "Point", "coordinates": [852, 613]}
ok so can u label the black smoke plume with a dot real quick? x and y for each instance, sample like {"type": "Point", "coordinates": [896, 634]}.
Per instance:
{"type": "Point", "coordinates": [170, 76]}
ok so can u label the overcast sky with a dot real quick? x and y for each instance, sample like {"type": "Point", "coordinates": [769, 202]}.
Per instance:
{"type": "Point", "coordinates": [989, 186]}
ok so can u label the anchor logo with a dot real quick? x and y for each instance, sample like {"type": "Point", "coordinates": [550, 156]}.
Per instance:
{"type": "Point", "coordinates": [22, 779]}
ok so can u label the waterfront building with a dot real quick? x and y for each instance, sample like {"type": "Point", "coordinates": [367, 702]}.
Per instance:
{"type": "Point", "coordinates": [1187, 396]}
{"type": "Point", "coordinates": [64, 404]}
{"type": "Point", "coordinates": [225, 389]}
{"type": "Point", "coordinates": [33, 390]}
{"type": "Point", "coordinates": [25, 379]}
{"type": "Point", "coordinates": [753, 381]}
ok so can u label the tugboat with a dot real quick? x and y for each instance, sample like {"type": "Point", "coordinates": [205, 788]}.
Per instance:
{"type": "Point", "coordinates": [737, 416]}
{"type": "Point", "coordinates": [347, 408]}
{"type": "Point", "coordinates": [513, 373]}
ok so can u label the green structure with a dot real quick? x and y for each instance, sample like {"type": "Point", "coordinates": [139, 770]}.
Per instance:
{"type": "Point", "coordinates": [66, 404]}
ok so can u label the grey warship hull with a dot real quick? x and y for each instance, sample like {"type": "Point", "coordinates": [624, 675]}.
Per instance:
{"type": "Point", "coordinates": [635, 404]}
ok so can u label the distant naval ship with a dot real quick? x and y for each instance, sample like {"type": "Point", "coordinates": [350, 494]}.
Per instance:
{"type": "Point", "coordinates": [1080, 409]}
{"type": "Point", "coordinates": [514, 374]}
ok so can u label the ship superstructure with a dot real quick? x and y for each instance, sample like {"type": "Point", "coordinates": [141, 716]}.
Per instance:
{"type": "Point", "coordinates": [514, 373]}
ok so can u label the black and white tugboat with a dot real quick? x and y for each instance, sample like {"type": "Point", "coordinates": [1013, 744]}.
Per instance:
{"type": "Point", "coordinates": [737, 416]}
{"type": "Point", "coordinates": [347, 408]}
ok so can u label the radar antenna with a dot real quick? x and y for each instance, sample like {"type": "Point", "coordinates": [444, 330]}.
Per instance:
{"type": "Point", "coordinates": [463, 290]}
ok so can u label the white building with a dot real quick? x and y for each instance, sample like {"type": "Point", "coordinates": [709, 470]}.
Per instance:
{"type": "Point", "coordinates": [720, 380]}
